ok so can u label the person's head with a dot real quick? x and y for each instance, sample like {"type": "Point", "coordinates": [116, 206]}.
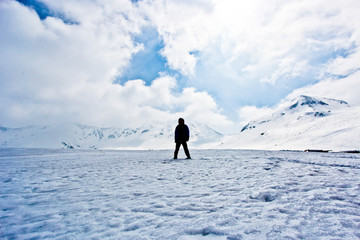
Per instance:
{"type": "Point", "coordinates": [181, 121]}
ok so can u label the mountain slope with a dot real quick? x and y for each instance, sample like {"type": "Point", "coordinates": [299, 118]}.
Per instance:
{"type": "Point", "coordinates": [153, 136]}
{"type": "Point", "coordinates": [303, 123]}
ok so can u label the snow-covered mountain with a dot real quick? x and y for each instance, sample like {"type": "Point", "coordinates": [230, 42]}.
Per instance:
{"type": "Point", "coordinates": [153, 136]}
{"type": "Point", "coordinates": [303, 123]}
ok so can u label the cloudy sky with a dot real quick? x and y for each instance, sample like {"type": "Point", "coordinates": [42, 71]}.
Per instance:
{"type": "Point", "coordinates": [126, 63]}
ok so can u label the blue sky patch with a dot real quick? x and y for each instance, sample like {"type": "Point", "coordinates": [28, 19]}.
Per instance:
{"type": "Point", "coordinates": [148, 63]}
{"type": "Point", "coordinates": [43, 11]}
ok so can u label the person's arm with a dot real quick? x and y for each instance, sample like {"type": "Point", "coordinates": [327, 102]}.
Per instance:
{"type": "Point", "coordinates": [176, 134]}
{"type": "Point", "coordinates": [187, 133]}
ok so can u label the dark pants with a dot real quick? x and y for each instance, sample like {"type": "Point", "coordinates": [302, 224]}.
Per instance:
{"type": "Point", "coordinates": [186, 150]}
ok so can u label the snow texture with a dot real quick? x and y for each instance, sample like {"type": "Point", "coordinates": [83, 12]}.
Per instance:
{"type": "Point", "coordinates": [220, 194]}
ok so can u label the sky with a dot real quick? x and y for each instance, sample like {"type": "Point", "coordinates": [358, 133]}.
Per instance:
{"type": "Point", "coordinates": [122, 63]}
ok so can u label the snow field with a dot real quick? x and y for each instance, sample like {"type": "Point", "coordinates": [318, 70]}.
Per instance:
{"type": "Point", "coordinates": [220, 194]}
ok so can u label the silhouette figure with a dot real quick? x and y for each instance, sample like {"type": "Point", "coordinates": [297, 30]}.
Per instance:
{"type": "Point", "coordinates": [181, 137]}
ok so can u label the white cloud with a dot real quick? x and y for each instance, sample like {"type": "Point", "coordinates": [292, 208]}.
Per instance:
{"type": "Point", "coordinates": [346, 89]}
{"type": "Point", "coordinates": [53, 72]}
{"type": "Point", "coordinates": [162, 103]}
{"type": "Point", "coordinates": [288, 67]}
{"type": "Point", "coordinates": [184, 27]}
{"type": "Point", "coordinates": [242, 52]}
{"type": "Point", "coordinates": [244, 45]}
{"type": "Point", "coordinates": [343, 66]}
{"type": "Point", "coordinates": [251, 113]}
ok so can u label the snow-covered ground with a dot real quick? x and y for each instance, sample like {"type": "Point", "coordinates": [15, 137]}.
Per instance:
{"type": "Point", "coordinates": [219, 194]}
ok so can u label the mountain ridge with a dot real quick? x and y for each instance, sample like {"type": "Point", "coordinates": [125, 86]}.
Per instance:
{"type": "Point", "coordinates": [151, 136]}
{"type": "Point", "coordinates": [302, 123]}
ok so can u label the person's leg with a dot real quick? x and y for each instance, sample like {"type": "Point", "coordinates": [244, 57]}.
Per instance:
{"type": "Point", "coordinates": [186, 150]}
{"type": "Point", "coordinates": [177, 147]}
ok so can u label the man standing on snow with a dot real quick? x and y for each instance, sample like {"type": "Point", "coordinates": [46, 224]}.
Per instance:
{"type": "Point", "coordinates": [181, 137]}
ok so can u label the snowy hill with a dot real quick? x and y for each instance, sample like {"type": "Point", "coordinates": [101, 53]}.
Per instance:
{"type": "Point", "coordinates": [303, 123]}
{"type": "Point", "coordinates": [153, 136]}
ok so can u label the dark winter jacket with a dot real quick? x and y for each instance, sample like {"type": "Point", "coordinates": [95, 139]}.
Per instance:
{"type": "Point", "coordinates": [181, 133]}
